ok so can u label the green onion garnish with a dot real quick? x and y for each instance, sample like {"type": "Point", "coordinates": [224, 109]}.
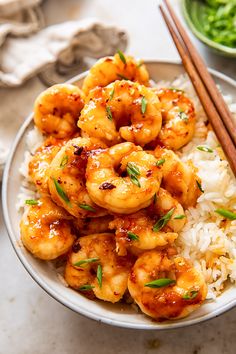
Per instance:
{"type": "Point", "coordinates": [64, 161]}
{"type": "Point", "coordinates": [163, 220]}
{"type": "Point", "coordinates": [143, 105]}
{"type": "Point", "coordinates": [218, 21]}
{"type": "Point", "coordinates": [87, 207]}
{"type": "Point", "coordinates": [122, 77]}
{"type": "Point", "coordinates": [175, 89]}
{"type": "Point", "coordinates": [200, 186]}
{"type": "Point", "coordinates": [140, 64]}
{"type": "Point", "coordinates": [86, 287]}
{"type": "Point", "coordinates": [226, 214]}
{"type": "Point", "coordinates": [112, 94]}
{"type": "Point", "coordinates": [86, 261]}
{"type": "Point", "coordinates": [204, 148]}
{"type": "Point", "coordinates": [109, 114]}
{"type": "Point", "coordinates": [133, 172]}
{"type": "Point", "coordinates": [135, 181]}
{"type": "Point", "coordinates": [155, 198]}
{"type": "Point", "coordinates": [132, 169]}
{"type": "Point", "coordinates": [183, 115]}
{"type": "Point", "coordinates": [31, 202]}
{"type": "Point", "coordinates": [179, 217]}
{"type": "Point", "coordinates": [122, 56]}
{"type": "Point", "coordinates": [160, 162]}
{"type": "Point", "coordinates": [132, 236]}
{"type": "Point", "coordinates": [99, 275]}
{"type": "Point", "coordinates": [61, 192]}
{"type": "Point", "coordinates": [190, 295]}
{"type": "Point", "coordinates": [159, 283]}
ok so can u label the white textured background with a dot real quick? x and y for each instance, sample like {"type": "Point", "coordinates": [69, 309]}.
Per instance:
{"type": "Point", "coordinates": [30, 321]}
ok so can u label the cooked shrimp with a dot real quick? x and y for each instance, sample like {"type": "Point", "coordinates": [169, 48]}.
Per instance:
{"type": "Point", "coordinates": [178, 119]}
{"type": "Point", "coordinates": [166, 288]}
{"type": "Point", "coordinates": [96, 268]}
{"type": "Point", "coordinates": [109, 69]}
{"type": "Point", "coordinates": [122, 110]}
{"type": "Point", "coordinates": [89, 226]}
{"type": "Point", "coordinates": [46, 230]}
{"type": "Point", "coordinates": [162, 204]}
{"type": "Point", "coordinates": [67, 178]}
{"type": "Point", "coordinates": [111, 189]}
{"type": "Point", "coordinates": [138, 230]}
{"type": "Point", "coordinates": [56, 110]}
{"type": "Point", "coordinates": [179, 178]}
{"type": "Point", "coordinates": [41, 160]}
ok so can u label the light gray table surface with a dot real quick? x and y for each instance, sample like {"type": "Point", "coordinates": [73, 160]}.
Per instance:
{"type": "Point", "coordinates": [31, 322]}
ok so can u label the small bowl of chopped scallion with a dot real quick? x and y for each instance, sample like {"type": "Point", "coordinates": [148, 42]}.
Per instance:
{"type": "Point", "coordinates": [214, 23]}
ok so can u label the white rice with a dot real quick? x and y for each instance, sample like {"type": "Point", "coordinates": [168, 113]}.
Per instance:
{"type": "Point", "coordinates": [205, 239]}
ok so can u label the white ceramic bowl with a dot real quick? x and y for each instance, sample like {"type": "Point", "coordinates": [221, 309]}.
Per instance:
{"type": "Point", "coordinates": [118, 314]}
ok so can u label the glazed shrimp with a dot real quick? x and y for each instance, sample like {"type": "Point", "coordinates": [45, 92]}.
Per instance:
{"type": "Point", "coordinates": [89, 226]}
{"type": "Point", "coordinates": [109, 69]}
{"type": "Point", "coordinates": [122, 193]}
{"type": "Point", "coordinates": [179, 178]}
{"type": "Point", "coordinates": [41, 160]}
{"type": "Point", "coordinates": [67, 178]}
{"type": "Point", "coordinates": [122, 110]}
{"type": "Point", "coordinates": [95, 269]}
{"type": "Point", "coordinates": [178, 119]}
{"type": "Point", "coordinates": [57, 109]}
{"type": "Point", "coordinates": [46, 230]}
{"type": "Point", "coordinates": [180, 288]}
{"type": "Point", "coordinates": [138, 231]}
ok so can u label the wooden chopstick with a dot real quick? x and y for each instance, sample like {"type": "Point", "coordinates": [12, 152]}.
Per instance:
{"type": "Point", "coordinates": [211, 87]}
{"type": "Point", "coordinates": [210, 109]}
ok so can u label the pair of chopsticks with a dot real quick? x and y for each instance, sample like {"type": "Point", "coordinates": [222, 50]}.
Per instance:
{"type": "Point", "coordinates": [211, 99]}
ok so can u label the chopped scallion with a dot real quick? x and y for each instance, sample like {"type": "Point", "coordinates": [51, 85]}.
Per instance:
{"type": "Point", "coordinates": [163, 220]}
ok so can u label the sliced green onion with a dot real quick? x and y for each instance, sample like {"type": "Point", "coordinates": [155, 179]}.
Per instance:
{"type": "Point", "coordinates": [200, 186]}
{"type": "Point", "coordinates": [160, 283]}
{"type": "Point", "coordinates": [140, 64]}
{"type": "Point", "coordinates": [112, 94]}
{"type": "Point", "coordinates": [226, 214]}
{"type": "Point", "coordinates": [175, 89]}
{"type": "Point", "coordinates": [61, 192]}
{"type": "Point", "coordinates": [160, 162]}
{"type": "Point", "coordinates": [163, 220]}
{"type": "Point", "coordinates": [132, 236]}
{"type": "Point", "coordinates": [122, 56]}
{"type": "Point", "coordinates": [86, 287]}
{"type": "Point", "coordinates": [190, 295]}
{"type": "Point", "coordinates": [179, 217]}
{"type": "Point", "coordinates": [99, 275]}
{"type": "Point", "coordinates": [135, 181]}
{"type": "Point", "coordinates": [204, 148]}
{"type": "Point", "coordinates": [122, 77]}
{"type": "Point", "coordinates": [143, 105]}
{"type": "Point", "coordinates": [109, 114]}
{"type": "Point", "coordinates": [31, 202]}
{"type": "Point", "coordinates": [218, 21]}
{"type": "Point", "coordinates": [87, 207]}
{"type": "Point", "coordinates": [183, 115]}
{"type": "Point", "coordinates": [64, 161]}
{"type": "Point", "coordinates": [133, 172]}
{"type": "Point", "coordinates": [86, 261]}
{"type": "Point", "coordinates": [155, 198]}
{"type": "Point", "coordinates": [132, 169]}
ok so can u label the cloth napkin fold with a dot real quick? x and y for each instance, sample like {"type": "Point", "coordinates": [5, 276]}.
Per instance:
{"type": "Point", "coordinates": [22, 58]}
{"type": "Point", "coordinates": [19, 18]}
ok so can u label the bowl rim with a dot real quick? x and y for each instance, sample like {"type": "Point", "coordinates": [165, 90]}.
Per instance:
{"type": "Point", "coordinates": [52, 292]}
{"type": "Point", "coordinates": [203, 38]}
